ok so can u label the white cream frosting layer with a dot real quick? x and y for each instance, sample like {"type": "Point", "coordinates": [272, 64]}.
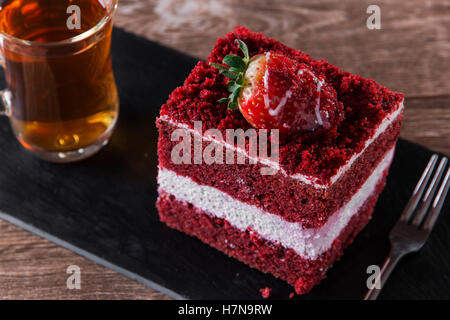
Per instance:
{"type": "Point", "coordinates": [384, 125]}
{"type": "Point", "coordinates": [308, 243]}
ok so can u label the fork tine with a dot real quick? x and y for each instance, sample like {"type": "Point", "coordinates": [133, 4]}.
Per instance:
{"type": "Point", "coordinates": [438, 203]}
{"type": "Point", "coordinates": [418, 191]}
{"type": "Point", "coordinates": [429, 194]}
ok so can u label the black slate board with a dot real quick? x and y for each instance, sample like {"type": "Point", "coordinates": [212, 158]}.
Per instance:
{"type": "Point", "coordinates": [104, 207]}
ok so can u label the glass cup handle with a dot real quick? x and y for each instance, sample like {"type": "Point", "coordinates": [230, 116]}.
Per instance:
{"type": "Point", "coordinates": [5, 94]}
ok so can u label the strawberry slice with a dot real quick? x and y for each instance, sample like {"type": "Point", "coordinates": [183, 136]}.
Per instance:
{"type": "Point", "coordinates": [275, 92]}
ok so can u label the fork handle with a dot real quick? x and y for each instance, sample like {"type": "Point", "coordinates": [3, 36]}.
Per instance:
{"type": "Point", "coordinates": [389, 265]}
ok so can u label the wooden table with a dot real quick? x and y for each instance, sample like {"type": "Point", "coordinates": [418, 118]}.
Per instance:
{"type": "Point", "coordinates": [410, 54]}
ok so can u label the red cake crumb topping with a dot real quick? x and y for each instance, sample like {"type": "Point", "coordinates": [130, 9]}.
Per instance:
{"type": "Point", "coordinates": [265, 292]}
{"type": "Point", "coordinates": [302, 285]}
{"type": "Point", "coordinates": [317, 153]}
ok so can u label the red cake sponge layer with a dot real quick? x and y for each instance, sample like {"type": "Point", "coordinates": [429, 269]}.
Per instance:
{"type": "Point", "coordinates": [266, 256]}
{"type": "Point", "coordinates": [289, 198]}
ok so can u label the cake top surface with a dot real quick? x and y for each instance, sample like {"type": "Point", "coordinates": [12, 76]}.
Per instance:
{"type": "Point", "coordinates": [317, 153]}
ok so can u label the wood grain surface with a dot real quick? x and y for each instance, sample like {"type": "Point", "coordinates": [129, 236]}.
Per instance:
{"type": "Point", "coordinates": [410, 54]}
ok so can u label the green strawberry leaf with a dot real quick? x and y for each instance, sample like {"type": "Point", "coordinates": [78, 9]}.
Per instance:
{"type": "Point", "coordinates": [235, 62]}
{"type": "Point", "coordinates": [230, 86]}
{"type": "Point", "coordinates": [244, 49]}
{"type": "Point", "coordinates": [219, 66]}
{"type": "Point", "coordinates": [233, 105]}
{"type": "Point", "coordinates": [233, 86]}
{"type": "Point", "coordinates": [224, 100]}
{"type": "Point", "coordinates": [236, 70]}
{"type": "Point", "coordinates": [240, 79]}
{"type": "Point", "coordinates": [235, 94]}
{"type": "Point", "coordinates": [231, 75]}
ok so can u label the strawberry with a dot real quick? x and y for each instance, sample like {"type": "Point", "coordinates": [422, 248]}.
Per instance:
{"type": "Point", "coordinates": [275, 92]}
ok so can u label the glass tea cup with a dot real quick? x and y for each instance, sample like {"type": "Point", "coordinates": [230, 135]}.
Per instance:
{"type": "Point", "coordinates": [61, 97]}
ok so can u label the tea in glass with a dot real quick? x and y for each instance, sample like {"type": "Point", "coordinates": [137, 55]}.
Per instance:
{"type": "Point", "coordinates": [61, 98]}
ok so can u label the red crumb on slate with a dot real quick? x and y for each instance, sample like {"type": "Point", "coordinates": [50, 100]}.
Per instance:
{"type": "Point", "coordinates": [291, 295]}
{"type": "Point", "coordinates": [265, 292]}
{"type": "Point", "coordinates": [318, 153]}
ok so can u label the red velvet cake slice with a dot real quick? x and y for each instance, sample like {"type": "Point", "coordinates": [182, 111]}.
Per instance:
{"type": "Point", "coordinates": [293, 214]}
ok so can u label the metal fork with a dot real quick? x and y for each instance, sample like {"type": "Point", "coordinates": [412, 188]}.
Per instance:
{"type": "Point", "coordinates": [417, 220]}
